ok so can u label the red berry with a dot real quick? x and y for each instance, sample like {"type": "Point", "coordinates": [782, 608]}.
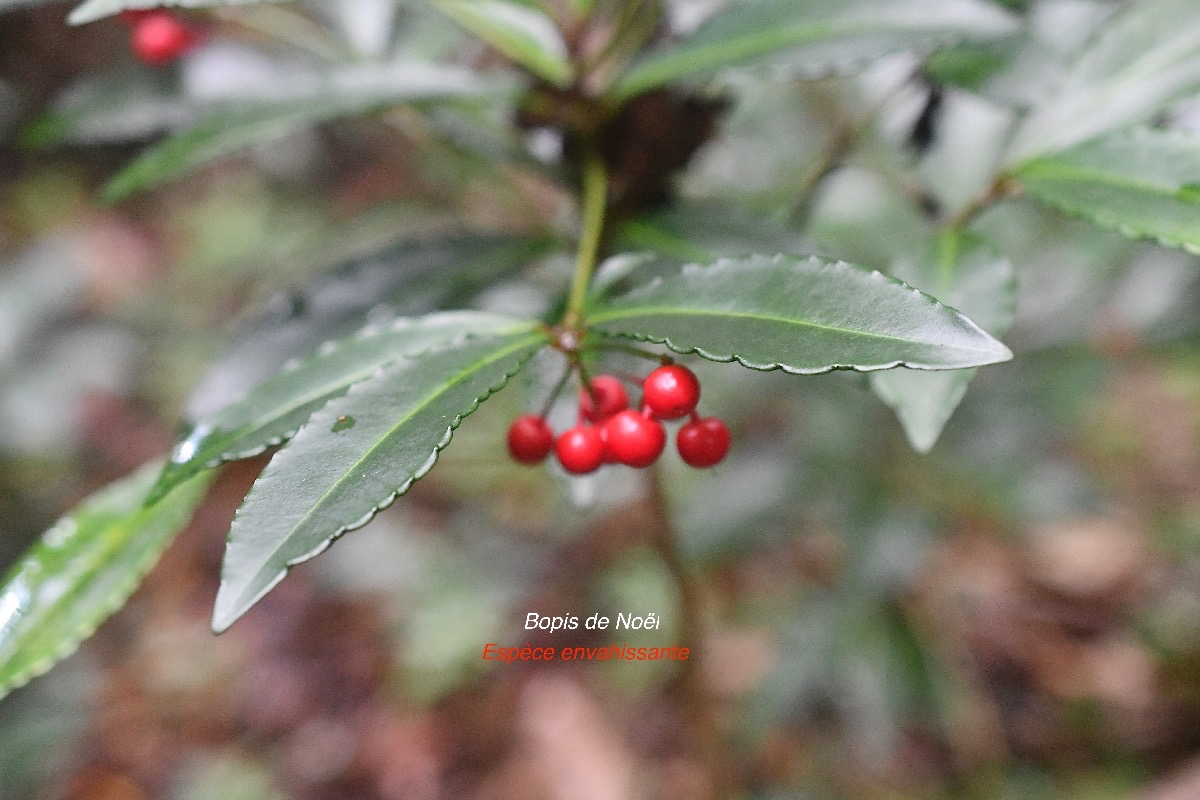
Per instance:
{"type": "Point", "coordinates": [703, 441]}
{"type": "Point", "coordinates": [671, 392]}
{"type": "Point", "coordinates": [530, 439]}
{"type": "Point", "coordinates": [609, 458]}
{"type": "Point", "coordinates": [634, 439]}
{"type": "Point", "coordinates": [607, 397]}
{"type": "Point", "coordinates": [580, 450]}
{"type": "Point", "coordinates": [159, 38]}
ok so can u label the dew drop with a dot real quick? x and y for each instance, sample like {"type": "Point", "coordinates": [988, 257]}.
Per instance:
{"type": "Point", "coordinates": [185, 450]}
{"type": "Point", "coordinates": [13, 604]}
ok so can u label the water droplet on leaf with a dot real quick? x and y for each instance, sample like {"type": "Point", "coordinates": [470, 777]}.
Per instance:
{"type": "Point", "coordinates": [185, 450]}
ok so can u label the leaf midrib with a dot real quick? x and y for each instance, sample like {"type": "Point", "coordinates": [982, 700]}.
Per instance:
{"type": "Point", "coordinates": [1051, 170]}
{"type": "Point", "coordinates": [332, 386]}
{"type": "Point", "coordinates": [262, 420]}
{"type": "Point", "coordinates": [676, 311]}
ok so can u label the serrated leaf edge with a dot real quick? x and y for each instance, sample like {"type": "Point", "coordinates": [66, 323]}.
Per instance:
{"type": "Point", "coordinates": [1007, 308]}
{"type": "Point", "coordinates": [1003, 353]}
{"type": "Point", "coordinates": [1122, 228]}
{"type": "Point", "coordinates": [421, 472]}
{"type": "Point", "coordinates": [1047, 161]}
{"type": "Point", "coordinates": [119, 599]}
{"type": "Point", "coordinates": [772, 366]}
{"type": "Point", "coordinates": [324, 350]}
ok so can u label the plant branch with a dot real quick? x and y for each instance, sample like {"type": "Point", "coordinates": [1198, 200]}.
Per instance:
{"type": "Point", "coordinates": [844, 139]}
{"type": "Point", "coordinates": [696, 698]}
{"type": "Point", "coordinates": [848, 132]}
{"type": "Point", "coordinates": [557, 390]}
{"type": "Point", "coordinates": [999, 188]}
{"type": "Point", "coordinates": [595, 204]}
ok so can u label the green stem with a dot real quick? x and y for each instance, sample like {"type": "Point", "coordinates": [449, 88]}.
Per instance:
{"type": "Point", "coordinates": [558, 387]}
{"type": "Point", "coordinates": [595, 203]}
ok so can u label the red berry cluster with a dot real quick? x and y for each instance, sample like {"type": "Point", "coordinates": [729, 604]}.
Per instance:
{"type": "Point", "coordinates": [610, 432]}
{"type": "Point", "coordinates": [158, 37]}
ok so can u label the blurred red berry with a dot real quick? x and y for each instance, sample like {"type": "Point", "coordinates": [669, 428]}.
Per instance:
{"type": "Point", "coordinates": [159, 38]}
{"type": "Point", "coordinates": [606, 397]}
{"type": "Point", "coordinates": [530, 439]}
{"type": "Point", "coordinates": [703, 442]}
{"type": "Point", "coordinates": [634, 439]}
{"type": "Point", "coordinates": [580, 450]}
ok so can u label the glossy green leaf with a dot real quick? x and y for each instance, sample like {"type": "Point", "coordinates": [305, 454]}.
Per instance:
{"type": "Point", "coordinates": [800, 314]}
{"type": "Point", "coordinates": [83, 569]}
{"type": "Point", "coordinates": [1142, 60]}
{"type": "Point", "coordinates": [355, 456]}
{"type": "Point", "coordinates": [815, 38]}
{"type": "Point", "coordinates": [338, 94]}
{"type": "Point", "coordinates": [970, 276]}
{"type": "Point", "coordinates": [1142, 183]}
{"type": "Point", "coordinates": [275, 410]}
{"type": "Point", "coordinates": [521, 32]}
{"type": "Point", "coordinates": [92, 10]}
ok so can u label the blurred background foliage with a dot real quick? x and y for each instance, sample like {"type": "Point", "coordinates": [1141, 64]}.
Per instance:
{"type": "Point", "coordinates": [1014, 615]}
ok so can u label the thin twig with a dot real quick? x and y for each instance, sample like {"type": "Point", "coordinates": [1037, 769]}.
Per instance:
{"type": "Point", "coordinates": [847, 134]}
{"type": "Point", "coordinates": [697, 700]}
{"type": "Point", "coordinates": [999, 188]}
{"type": "Point", "coordinates": [844, 139]}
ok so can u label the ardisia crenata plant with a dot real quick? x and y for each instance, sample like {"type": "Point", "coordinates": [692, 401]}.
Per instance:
{"type": "Point", "coordinates": [609, 102]}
